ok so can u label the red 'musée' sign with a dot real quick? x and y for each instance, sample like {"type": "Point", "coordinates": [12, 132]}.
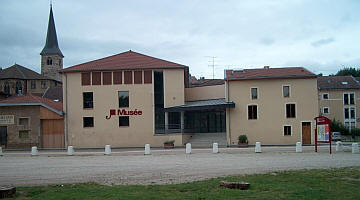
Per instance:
{"type": "Point", "coordinates": [123, 112]}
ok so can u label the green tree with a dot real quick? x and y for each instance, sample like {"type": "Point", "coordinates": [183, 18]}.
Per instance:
{"type": "Point", "coordinates": [347, 71]}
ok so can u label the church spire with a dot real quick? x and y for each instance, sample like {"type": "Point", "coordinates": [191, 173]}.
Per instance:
{"type": "Point", "coordinates": [51, 46]}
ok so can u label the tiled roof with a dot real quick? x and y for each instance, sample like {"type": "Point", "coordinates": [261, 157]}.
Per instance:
{"type": "Point", "coordinates": [125, 60]}
{"type": "Point", "coordinates": [203, 105]}
{"type": "Point", "coordinates": [269, 73]}
{"type": "Point", "coordinates": [206, 82]}
{"type": "Point", "coordinates": [337, 83]}
{"type": "Point", "coordinates": [19, 72]}
{"type": "Point", "coordinates": [54, 93]}
{"type": "Point", "coordinates": [30, 99]}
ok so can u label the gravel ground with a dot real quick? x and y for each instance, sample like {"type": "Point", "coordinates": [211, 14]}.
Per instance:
{"type": "Point", "coordinates": [162, 167]}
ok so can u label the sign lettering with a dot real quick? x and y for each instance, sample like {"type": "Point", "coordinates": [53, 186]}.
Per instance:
{"type": "Point", "coordinates": [123, 112]}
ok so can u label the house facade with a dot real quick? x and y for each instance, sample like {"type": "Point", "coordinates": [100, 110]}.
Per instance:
{"type": "Point", "coordinates": [273, 105]}
{"type": "Point", "coordinates": [339, 99]}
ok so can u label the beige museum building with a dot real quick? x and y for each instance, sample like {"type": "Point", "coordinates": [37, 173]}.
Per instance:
{"type": "Point", "coordinates": [130, 99]}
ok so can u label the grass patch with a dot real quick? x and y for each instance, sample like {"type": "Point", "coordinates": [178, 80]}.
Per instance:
{"type": "Point", "coordinates": [340, 183]}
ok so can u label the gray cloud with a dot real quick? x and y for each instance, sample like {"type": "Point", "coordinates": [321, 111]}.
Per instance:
{"type": "Point", "coordinates": [322, 42]}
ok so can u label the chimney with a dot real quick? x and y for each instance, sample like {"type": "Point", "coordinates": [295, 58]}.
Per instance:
{"type": "Point", "coordinates": [266, 67]}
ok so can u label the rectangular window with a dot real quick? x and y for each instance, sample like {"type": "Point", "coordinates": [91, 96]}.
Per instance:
{"type": "Point", "coordinates": [24, 134]}
{"type": "Point", "coordinates": [96, 78]}
{"type": "Point", "coordinates": [254, 93]}
{"type": "Point", "coordinates": [43, 84]}
{"type": "Point", "coordinates": [287, 130]}
{"type": "Point", "coordinates": [123, 99]}
{"type": "Point", "coordinates": [346, 113]}
{"type": "Point", "coordinates": [352, 98]}
{"type": "Point", "coordinates": [148, 77]}
{"type": "Point", "coordinates": [124, 121]}
{"type": "Point", "coordinates": [128, 77]}
{"type": "Point", "coordinates": [353, 125]}
{"type": "Point", "coordinates": [33, 84]}
{"type": "Point", "coordinates": [24, 121]}
{"type": "Point", "coordinates": [117, 77]}
{"type": "Point", "coordinates": [346, 99]}
{"type": "Point", "coordinates": [286, 91]}
{"type": "Point", "coordinates": [252, 112]}
{"type": "Point", "coordinates": [290, 111]}
{"type": "Point", "coordinates": [352, 113]}
{"type": "Point", "coordinates": [107, 79]}
{"type": "Point", "coordinates": [325, 96]}
{"type": "Point", "coordinates": [85, 78]}
{"type": "Point", "coordinates": [138, 77]}
{"type": "Point", "coordinates": [326, 110]}
{"type": "Point", "coordinates": [88, 121]}
{"type": "Point", "coordinates": [88, 100]}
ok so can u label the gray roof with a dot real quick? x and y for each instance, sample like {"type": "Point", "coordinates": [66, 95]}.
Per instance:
{"type": "Point", "coordinates": [19, 72]}
{"type": "Point", "coordinates": [337, 83]}
{"type": "Point", "coordinates": [51, 46]}
{"type": "Point", "coordinates": [220, 103]}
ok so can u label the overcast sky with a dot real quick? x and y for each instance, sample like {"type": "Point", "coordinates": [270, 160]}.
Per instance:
{"type": "Point", "coordinates": [321, 35]}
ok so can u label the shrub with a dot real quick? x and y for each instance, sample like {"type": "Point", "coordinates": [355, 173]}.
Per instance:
{"type": "Point", "coordinates": [169, 142]}
{"type": "Point", "coordinates": [337, 126]}
{"type": "Point", "coordinates": [242, 139]}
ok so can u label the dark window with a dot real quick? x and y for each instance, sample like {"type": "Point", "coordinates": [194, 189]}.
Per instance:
{"type": "Point", "coordinates": [138, 77]}
{"type": "Point", "coordinates": [24, 121]}
{"type": "Point", "coordinates": [287, 130]}
{"type": "Point", "coordinates": [346, 99]}
{"type": "Point", "coordinates": [290, 111]}
{"type": "Point", "coordinates": [352, 98]}
{"type": "Point", "coordinates": [24, 134]}
{"type": "Point", "coordinates": [174, 120]}
{"type": "Point", "coordinates": [117, 77]}
{"type": "Point", "coordinates": [107, 78]}
{"type": "Point", "coordinates": [147, 77]}
{"type": "Point", "coordinates": [124, 121]}
{"type": "Point", "coordinates": [88, 121]}
{"type": "Point", "coordinates": [326, 110]}
{"type": "Point", "coordinates": [96, 78]}
{"type": "Point", "coordinates": [346, 113]}
{"type": "Point", "coordinates": [128, 77]}
{"type": "Point", "coordinates": [123, 99]}
{"type": "Point", "coordinates": [286, 91]}
{"type": "Point", "coordinates": [325, 96]}
{"type": "Point", "coordinates": [88, 100]}
{"type": "Point", "coordinates": [59, 62]}
{"type": "Point", "coordinates": [7, 88]}
{"type": "Point", "coordinates": [43, 84]}
{"type": "Point", "coordinates": [85, 78]}
{"type": "Point", "coordinates": [49, 61]}
{"type": "Point", "coordinates": [252, 112]}
{"type": "Point", "coordinates": [352, 113]}
{"type": "Point", "coordinates": [33, 84]}
{"type": "Point", "coordinates": [18, 87]}
{"type": "Point", "coordinates": [254, 93]}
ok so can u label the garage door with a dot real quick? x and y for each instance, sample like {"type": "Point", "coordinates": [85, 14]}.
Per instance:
{"type": "Point", "coordinates": [53, 133]}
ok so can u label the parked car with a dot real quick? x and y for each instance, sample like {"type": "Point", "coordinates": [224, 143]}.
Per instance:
{"type": "Point", "coordinates": [336, 136]}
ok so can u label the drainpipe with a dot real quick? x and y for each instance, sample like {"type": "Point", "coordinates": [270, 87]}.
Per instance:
{"type": "Point", "coordinates": [228, 99]}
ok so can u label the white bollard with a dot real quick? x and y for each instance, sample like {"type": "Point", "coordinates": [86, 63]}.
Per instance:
{"type": "Point", "coordinates": [107, 150]}
{"type": "Point", "coordinates": [339, 146]}
{"type": "Point", "coordinates": [70, 151]}
{"type": "Point", "coordinates": [188, 148]}
{"type": "Point", "coordinates": [258, 147]}
{"type": "Point", "coordinates": [215, 148]}
{"type": "Point", "coordinates": [355, 148]}
{"type": "Point", "coordinates": [1, 152]}
{"type": "Point", "coordinates": [34, 151]}
{"type": "Point", "coordinates": [298, 147]}
{"type": "Point", "coordinates": [147, 149]}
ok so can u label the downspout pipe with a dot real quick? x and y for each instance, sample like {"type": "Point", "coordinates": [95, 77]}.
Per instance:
{"type": "Point", "coordinates": [66, 113]}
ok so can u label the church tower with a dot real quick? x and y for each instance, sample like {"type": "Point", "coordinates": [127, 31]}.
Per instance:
{"type": "Point", "coordinates": [51, 56]}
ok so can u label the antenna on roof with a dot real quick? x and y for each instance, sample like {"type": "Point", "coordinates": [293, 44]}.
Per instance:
{"type": "Point", "coordinates": [212, 65]}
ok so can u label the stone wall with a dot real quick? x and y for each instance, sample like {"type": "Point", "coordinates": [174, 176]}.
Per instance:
{"type": "Point", "coordinates": [52, 71]}
{"type": "Point", "coordinates": [14, 139]}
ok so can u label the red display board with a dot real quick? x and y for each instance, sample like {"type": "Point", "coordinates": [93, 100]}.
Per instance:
{"type": "Point", "coordinates": [322, 131]}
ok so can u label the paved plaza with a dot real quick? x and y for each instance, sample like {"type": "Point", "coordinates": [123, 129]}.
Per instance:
{"type": "Point", "coordinates": [131, 166]}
